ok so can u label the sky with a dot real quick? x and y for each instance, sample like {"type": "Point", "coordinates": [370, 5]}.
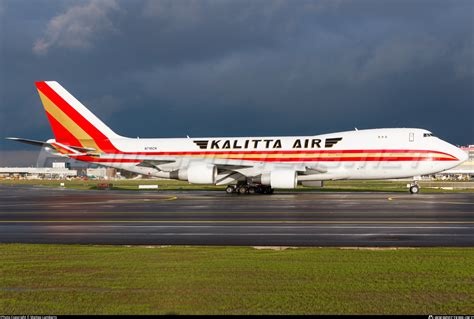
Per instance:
{"type": "Point", "coordinates": [173, 68]}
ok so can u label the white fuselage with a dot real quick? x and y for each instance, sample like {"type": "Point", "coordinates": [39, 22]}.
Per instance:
{"type": "Point", "coordinates": [364, 154]}
{"type": "Point", "coordinates": [277, 162]}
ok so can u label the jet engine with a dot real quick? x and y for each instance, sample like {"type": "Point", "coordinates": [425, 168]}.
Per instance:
{"type": "Point", "coordinates": [201, 173]}
{"type": "Point", "coordinates": [280, 178]}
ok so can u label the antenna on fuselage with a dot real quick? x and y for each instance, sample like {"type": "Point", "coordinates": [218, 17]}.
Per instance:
{"type": "Point", "coordinates": [355, 128]}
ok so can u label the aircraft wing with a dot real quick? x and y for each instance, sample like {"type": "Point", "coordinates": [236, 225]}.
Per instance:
{"type": "Point", "coordinates": [155, 163]}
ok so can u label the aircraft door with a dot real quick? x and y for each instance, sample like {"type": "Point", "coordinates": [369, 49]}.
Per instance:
{"type": "Point", "coordinates": [411, 137]}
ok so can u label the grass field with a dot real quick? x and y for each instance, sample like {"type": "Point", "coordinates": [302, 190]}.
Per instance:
{"type": "Point", "coordinates": [329, 186]}
{"type": "Point", "coordinates": [61, 279]}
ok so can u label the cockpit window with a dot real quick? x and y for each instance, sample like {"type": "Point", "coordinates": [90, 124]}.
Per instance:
{"type": "Point", "coordinates": [427, 134]}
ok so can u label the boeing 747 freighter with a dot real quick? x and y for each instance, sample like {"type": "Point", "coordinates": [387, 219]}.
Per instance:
{"type": "Point", "coordinates": [245, 164]}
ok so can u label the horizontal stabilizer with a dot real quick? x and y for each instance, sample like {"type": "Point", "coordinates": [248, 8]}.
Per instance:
{"type": "Point", "coordinates": [27, 141]}
{"type": "Point", "coordinates": [72, 149]}
{"type": "Point", "coordinates": [83, 149]}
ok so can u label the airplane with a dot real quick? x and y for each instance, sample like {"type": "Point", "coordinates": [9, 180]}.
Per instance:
{"type": "Point", "coordinates": [245, 164]}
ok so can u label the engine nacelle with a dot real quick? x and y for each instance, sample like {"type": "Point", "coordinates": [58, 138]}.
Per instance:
{"type": "Point", "coordinates": [201, 173]}
{"type": "Point", "coordinates": [280, 178]}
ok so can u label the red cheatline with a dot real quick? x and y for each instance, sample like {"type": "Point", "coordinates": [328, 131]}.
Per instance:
{"type": "Point", "coordinates": [298, 152]}
{"type": "Point", "coordinates": [263, 159]}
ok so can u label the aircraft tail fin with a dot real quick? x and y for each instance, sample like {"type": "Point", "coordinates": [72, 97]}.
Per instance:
{"type": "Point", "coordinates": [72, 123]}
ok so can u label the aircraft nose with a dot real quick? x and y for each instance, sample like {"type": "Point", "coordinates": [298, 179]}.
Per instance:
{"type": "Point", "coordinates": [463, 155]}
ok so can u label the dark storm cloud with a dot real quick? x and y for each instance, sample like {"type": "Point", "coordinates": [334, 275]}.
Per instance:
{"type": "Point", "coordinates": [171, 68]}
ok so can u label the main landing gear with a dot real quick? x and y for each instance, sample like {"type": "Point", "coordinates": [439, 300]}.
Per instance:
{"type": "Point", "coordinates": [249, 189]}
{"type": "Point", "coordinates": [414, 188]}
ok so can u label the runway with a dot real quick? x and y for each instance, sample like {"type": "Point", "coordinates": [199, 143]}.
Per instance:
{"type": "Point", "coordinates": [46, 215]}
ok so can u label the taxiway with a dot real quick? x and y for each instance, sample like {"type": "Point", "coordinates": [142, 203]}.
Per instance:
{"type": "Point", "coordinates": [46, 215]}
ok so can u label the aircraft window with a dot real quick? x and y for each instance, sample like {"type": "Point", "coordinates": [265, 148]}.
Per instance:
{"type": "Point", "coordinates": [427, 134]}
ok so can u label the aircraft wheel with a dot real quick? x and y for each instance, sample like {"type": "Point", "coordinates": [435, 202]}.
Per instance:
{"type": "Point", "coordinates": [414, 189]}
{"type": "Point", "coordinates": [243, 190]}
{"type": "Point", "coordinates": [268, 190]}
{"type": "Point", "coordinates": [252, 190]}
{"type": "Point", "coordinates": [230, 189]}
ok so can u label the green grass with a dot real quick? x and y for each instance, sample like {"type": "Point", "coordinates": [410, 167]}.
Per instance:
{"type": "Point", "coordinates": [72, 279]}
{"type": "Point", "coordinates": [329, 186]}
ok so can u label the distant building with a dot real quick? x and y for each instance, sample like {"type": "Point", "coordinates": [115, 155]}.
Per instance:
{"type": "Point", "coordinates": [59, 165]}
{"type": "Point", "coordinates": [470, 151]}
{"type": "Point", "coordinates": [101, 172]}
{"type": "Point", "coordinates": [58, 170]}
{"type": "Point", "coordinates": [96, 172]}
{"type": "Point", "coordinates": [38, 172]}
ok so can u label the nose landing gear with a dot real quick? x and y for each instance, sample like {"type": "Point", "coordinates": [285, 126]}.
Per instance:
{"type": "Point", "coordinates": [414, 188]}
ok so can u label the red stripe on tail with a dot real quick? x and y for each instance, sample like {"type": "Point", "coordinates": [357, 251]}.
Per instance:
{"type": "Point", "coordinates": [61, 134]}
{"type": "Point", "coordinates": [100, 139]}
